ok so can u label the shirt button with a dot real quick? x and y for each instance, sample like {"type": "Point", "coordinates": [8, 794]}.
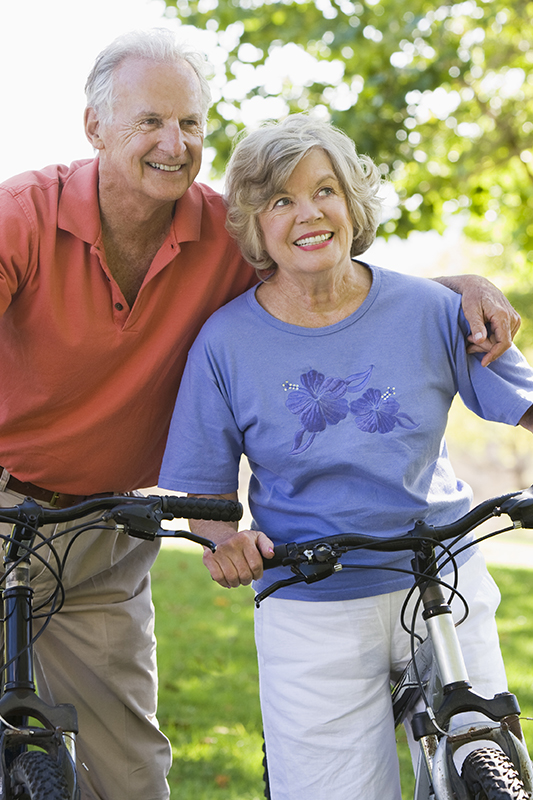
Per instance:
{"type": "Point", "coordinates": [119, 306]}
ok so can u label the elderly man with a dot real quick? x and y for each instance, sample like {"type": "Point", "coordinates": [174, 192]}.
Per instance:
{"type": "Point", "coordinates": [108, 268]}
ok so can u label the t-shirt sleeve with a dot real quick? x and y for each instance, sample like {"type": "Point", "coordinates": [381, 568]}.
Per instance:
{"type": "Point", "coordinates": [15, 247]}
{"type": "Point", "coordinates": [501, 392]}
{"type": "Point", "coordinates": [204, 444]}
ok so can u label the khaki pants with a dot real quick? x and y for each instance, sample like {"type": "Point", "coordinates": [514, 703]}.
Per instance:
{"type": "Point", "coordinates": [98, 653]}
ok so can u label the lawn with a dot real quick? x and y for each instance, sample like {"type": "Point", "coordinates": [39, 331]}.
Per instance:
{"type": "Point", "coordinates": [209, 706]}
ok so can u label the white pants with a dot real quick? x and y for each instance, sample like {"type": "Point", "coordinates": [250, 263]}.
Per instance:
{"type": "Point", "coordinates": [325, 671]}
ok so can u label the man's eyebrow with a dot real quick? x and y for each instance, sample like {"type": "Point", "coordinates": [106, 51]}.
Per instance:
{"type": "Point", "coordinates": [147, 114]}
{"type": "Point", "coordinates": [194, 115]}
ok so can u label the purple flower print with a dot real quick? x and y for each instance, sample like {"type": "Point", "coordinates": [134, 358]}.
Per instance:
{"type": "Point", "coordinates": [377, 412]}
{"type": "Point", "coordinates": [319, 402]}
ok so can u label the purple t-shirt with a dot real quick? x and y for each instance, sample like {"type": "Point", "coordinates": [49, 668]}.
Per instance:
{"type": "Point", "coordinates": [343, 425]}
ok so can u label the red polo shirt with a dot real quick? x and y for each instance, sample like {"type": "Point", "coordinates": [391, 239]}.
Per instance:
{"type": "Point", "coordinates": [88, 385]}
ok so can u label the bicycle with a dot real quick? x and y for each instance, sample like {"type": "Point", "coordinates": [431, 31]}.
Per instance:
{"type": "Point", "coordinates": [38, 741]}
{"type": "Point", "coordinates": [436, 676]}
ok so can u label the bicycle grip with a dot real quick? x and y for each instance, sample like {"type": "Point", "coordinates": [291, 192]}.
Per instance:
{"type": "Point", "coordinates": [207, 508]}
{"type": "Point", "coordinates": [280, 554]}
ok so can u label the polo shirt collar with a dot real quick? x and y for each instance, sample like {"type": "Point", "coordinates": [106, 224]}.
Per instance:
{"type": "Point", "coordinates": [79, 212]}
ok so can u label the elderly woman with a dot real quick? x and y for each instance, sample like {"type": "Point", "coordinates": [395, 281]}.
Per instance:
{"type": "Point", "coordinates": [334, 378]}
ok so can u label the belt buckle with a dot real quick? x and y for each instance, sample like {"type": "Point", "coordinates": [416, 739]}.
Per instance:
{"type": "Point", "coordinates": [53, 500]}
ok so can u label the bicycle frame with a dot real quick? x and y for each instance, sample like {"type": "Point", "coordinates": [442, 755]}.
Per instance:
{"type": "Point", "coordinates": [26, 721]}
{"type": "Point", "coordinates": [449, 692]}
{"type": "Point", "coordinates": [19, 702]}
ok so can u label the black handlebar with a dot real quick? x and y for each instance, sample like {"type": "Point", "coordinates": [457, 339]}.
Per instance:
{"type": "Point", "coordinates": [517, 505]}
{"type": "Point", "coordinates": [318, 558]}
{"type": "Point", "coordinates": [140, 516]}
{"type": "Point", "coordinates": [164, 507]}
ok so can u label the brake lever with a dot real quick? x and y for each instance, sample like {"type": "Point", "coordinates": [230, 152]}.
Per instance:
{"type": "Point", "coordinates": [520, 508]}
{"type": "Point", "coordinates": [260, 596]}
{"type": "Point", "coordinates": [143, 522]}
{"type": "Point", "coordinates": [192, 537]}
{"type": "Point", "coordinates": [307, 572]}
{"type": "Point", "coordinates": [139, 521]}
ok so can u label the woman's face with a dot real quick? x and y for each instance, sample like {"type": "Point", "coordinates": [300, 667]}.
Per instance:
{"type": "Point", "coordinates": [307, 227]}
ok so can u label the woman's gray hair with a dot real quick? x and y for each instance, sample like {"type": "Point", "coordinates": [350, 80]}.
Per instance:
{"type": "Point", "coordinates": [156, 44]}
{"type": "Point", "coordinates": [263, 161]}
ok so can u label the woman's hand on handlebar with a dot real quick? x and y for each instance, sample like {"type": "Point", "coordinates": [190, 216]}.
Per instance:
{"type": "Point", "coordinates": [238, 559]}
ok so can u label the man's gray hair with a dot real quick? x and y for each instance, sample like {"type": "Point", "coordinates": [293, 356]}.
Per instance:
{"type": "Point", "coordinates": [156, 44]}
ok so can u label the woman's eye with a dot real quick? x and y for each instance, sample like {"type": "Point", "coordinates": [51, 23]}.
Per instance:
{"type": "Point", "coordinates": [283, 201]}
{"type": "Point", "coordinates": [327, 190]}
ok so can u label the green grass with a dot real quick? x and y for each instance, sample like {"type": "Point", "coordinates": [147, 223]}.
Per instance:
{"type": "Point", "coordinates": [209, 705]}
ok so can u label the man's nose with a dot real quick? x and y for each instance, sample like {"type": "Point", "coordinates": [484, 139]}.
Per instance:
{"type": "Point", "coordinates": [172, 140]}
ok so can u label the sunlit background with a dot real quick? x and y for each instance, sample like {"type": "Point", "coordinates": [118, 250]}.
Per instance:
{"type": "Point", "coordinates": [47, 49]}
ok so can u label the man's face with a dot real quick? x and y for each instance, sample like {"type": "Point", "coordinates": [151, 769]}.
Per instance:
{"type": "Point", "coordinates": [151, 149]}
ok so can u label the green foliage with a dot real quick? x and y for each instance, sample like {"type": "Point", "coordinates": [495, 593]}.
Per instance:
{"type": "Point", "coordinates": [209, 704]}
{"type": "Point", "coordinates": [440, 95]}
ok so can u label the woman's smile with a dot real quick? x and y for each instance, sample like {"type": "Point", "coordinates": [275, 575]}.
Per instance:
{"type": "Point", "coordinates": [312, 241]}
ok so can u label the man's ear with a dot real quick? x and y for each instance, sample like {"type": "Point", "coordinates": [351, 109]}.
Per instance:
{"type": "Point", "coordinates": [92, 128]}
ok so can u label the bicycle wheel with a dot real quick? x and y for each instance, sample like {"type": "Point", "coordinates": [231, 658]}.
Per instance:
{"type": "Point", "coordinates": [265, 771]}
{"type": "Point", "coordinates": [490, 775]}
{"type": "Point", "coordinates": [36, 776]}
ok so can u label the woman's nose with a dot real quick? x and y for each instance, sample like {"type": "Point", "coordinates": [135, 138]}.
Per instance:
{"type": "Point", "coordinates": [309, 211]}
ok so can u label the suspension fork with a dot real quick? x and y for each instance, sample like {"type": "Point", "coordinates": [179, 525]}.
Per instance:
{"type": "Point", "coordinates": [17, 603]}
{"type": "Point", "coordinates": [437, 615]}
{"type": "Point", "coordinates": [458, 695]}
{"type": "Point", "coordinates": [438, 776]}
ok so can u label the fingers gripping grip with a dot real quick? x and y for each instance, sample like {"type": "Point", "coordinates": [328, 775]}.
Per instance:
{"type": "Point", "coordinates": [203, 508]}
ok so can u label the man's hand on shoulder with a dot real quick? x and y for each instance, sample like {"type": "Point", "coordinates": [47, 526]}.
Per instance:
{"type": "Point", "coordinates": [484, 304]}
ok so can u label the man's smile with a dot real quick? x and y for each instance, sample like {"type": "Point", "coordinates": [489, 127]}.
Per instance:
{"type": "Point", "coordinates": [165, 167]}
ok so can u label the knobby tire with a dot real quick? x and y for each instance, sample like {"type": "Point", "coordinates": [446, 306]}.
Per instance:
{"type": "Point", "coordinates": [265, 772]}
{"type": "Point", "coordinates": [490, 775]}
{"type": "Point", "coordinates": [36, 776]}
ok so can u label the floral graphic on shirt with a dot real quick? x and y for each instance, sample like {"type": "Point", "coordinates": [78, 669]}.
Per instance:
{"type": "Point", "coordinates": [319, 401]}
{"type": "Point", "coordinates": [379, 412]}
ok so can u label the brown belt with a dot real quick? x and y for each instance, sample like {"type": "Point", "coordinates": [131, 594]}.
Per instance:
{"type": "Point", "coordinates": [55, 499]}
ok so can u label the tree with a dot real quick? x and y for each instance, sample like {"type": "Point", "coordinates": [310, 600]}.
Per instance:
{"type": "Point", "coordinates": [440, 96]}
